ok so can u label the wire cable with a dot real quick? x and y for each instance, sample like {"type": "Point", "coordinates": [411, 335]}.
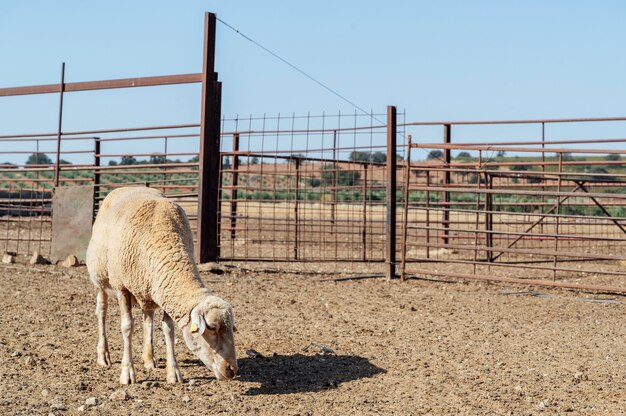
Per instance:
{"type": "Point", "coordinates": [283, 60]}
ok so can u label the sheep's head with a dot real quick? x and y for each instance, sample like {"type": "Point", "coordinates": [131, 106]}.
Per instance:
{"type": "Point", "coordinates": [209, 335]}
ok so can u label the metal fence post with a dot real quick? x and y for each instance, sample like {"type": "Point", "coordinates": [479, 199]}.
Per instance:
{"type": "Point", "coordinates": [446, 184]}
{"type": "Point", "coordinates": [296, 212]}
{"type": "Point", "coordinates": [207, 248]}
{"type": "Point", "coordinates": [405, 201]}
{"type": "Point", "coordinates": [489, 217]}
{"type": "Point", "coordinates": [390, 219]}
{"type": "Point", "coordinates": [57, 166]}
{"type": "Point", "coordinates": [235, 183]}
{"type": "Point", "coordinates": [96, 175]}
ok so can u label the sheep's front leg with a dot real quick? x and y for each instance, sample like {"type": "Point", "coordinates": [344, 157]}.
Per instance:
{"type": "Point", "coordinates": [128, 372]}
{"type": "Point", "coordinates": [149, 362]}
{"type": "Point", "coordinates": [104, 359]}
{"type": "Point", "coordinates": [173, 372]}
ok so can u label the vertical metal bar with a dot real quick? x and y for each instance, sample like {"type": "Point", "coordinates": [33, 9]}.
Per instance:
{"type": "Point", "coordinates": [96, 175]}
{"type": "Point", "coordinates": [334, 166]}
{"type": "Point", "coordinates": [58, 153]}
{"type": "Point", "coordinates": [543, 168]}
{"type": "Point", "coordinates": [558, 215]}
{"type": "Point", "coordinates": [41, 211]}
{"type": "Point", "coordinates": [477, 215]}
{"type": "Point", "coordinates": [447, 130]}
{"type": "Point", "coordinates": [19, 218]}
{"type": "Point", "coordinates": [9, 205]}
{"type": "Point", "coordinates": [30, 214]}
{"type": "Point", "coordinates": [428, 213]}
{"type": "Point", "coordinates": [207, 248]}
{"type": "Point", "coordinates": [364, 230]}
{"type": "Point", "coordinates": [235, 183]}
{"type": "Point", "coordinates": [295, 210]}
{"type": "Point", "coordinates": [165, 167]}
{"type": "Point", "coordinates": [405, 219]}
{"type": "Point", "coordinates": [489, 217]}
{"type": "Point", "coordinates": [390, 252]}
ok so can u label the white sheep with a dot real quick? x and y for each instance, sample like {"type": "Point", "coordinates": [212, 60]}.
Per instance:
{"type": "Point", "coordinates": [141, 251]}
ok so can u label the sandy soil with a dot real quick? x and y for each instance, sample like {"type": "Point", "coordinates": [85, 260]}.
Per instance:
{"type": "Point", "coordinates": [418, 347]}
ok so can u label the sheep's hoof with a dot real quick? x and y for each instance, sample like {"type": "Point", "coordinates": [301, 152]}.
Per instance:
{"type": "Point", "coordinates": [174, 376]}
{"type": "Point", "coordinates": [150, 364]}
{"type": "Point", "coordinates": [128, 375]}
{"type": "Point", "coordinates": [104, 359]}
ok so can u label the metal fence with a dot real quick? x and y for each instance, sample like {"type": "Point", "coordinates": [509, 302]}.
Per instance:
{"type": "Point", "coordinates": [540, 210]}
{"type": "Point", "coordinates": [304, 188]}
{"type": "Point", "coordinates": [26, 188]}
{"type": "Point", "coordinates": [533, 201]}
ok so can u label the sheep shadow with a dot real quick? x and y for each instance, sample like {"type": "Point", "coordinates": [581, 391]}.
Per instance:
{"type": "Point", "coordinates": [286, 374]}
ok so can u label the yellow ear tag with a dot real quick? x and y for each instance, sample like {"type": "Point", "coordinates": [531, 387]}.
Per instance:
{"type": "Point", "coordinates": [194, 328]}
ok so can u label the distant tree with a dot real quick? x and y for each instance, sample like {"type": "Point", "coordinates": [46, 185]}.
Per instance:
{"type": "Point", "coordinates": [435, 154]}
{"type": "Point", "coordinates": [225, 164]}
{"type": "Point", "coordinates": [194, 159]}
{"type": "Point", "coordinates": [399, 157]}
{"type": "Point", "coordinates": [566, 156]}
{"type": "Point", "coordinates": [331, 172]}
{"type": "Point", "coordinates": [501, 153]}
{"type": "Point", "coordinates": [38, 159]}
{"type": "Point", "coordinates": [128, 160]}
{"type": "Point", "coordinates": [359, 156]}
{"type": "Point", "coordinates": [8, 165]}
{"type": "Point", "coordinates": [463, 155]}
{"type": "Point", "coordinates": [157, 159]}
{"type": "Point", "coordinates": [379, 157]}
{"type": "Point", "coordinates": [376, 157]}
{"type": "Point", "coordinates": [112, 163]}
{"type": "Point", "coordinates": [612, 156]}
{"type": "Point", "coordinates": [254, 160]}
{"type": "Point", "coordinates": [315, 182]}
{"type": "Point", "coordinates": [64, 162]}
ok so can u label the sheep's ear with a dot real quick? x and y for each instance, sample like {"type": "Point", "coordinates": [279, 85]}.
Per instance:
{"type": "Point", "coordinates": [198, 325]}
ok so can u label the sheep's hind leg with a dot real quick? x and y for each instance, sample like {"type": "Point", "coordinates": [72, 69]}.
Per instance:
{"type": "Point", "coordinates": [173, 372]}
{"type": "Point", "coordinates": [128, 372]}
{"type": "Point", "coordinates": [149, 362]}
{"type": "Point", "coordinates": [104, 359]}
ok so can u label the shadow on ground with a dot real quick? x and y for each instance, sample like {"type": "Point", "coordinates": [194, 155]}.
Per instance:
{"type": "Point", "coordinates": [285, 374]}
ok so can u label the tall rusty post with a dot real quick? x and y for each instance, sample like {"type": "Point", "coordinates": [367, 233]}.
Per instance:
{"type": "Point", "coordinates": [233, 190]}
{"type": "Point", "coordinates": [446, 184]}
{"type": "Point", "coordinates": [57, 166]}
{"type": "Point", "coordinates": [96, 174]}
{"type": "Point", "coordinates": [207, 248]}
{"type": "Point", "coordinates": [390, 219]}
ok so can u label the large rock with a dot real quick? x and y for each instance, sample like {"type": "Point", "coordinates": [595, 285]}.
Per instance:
{"type": "Point", "coordinates": [38, 259]}
{"type": "Point", "coordinates": [70, 261]}
{"type": "Point", "coordinates": [8, 258]}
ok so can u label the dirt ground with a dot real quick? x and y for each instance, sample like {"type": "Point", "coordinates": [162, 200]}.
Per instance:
{"type": "Point", "coordinates": [411, 348]}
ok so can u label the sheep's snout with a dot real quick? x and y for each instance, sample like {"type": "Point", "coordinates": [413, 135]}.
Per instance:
{"type": "Point", "coordinates": [225, 370]}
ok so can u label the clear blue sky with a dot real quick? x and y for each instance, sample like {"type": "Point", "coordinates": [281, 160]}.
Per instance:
{"type": "Point", "coordinates": [439, 60]}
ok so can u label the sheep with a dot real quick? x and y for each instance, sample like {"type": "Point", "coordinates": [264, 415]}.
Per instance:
{"type": "Point", "coordinates": [141, 251]}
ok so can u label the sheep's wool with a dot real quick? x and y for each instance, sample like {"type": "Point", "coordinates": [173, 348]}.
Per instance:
{"type": "Point", "coordinates": [142, 242]}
